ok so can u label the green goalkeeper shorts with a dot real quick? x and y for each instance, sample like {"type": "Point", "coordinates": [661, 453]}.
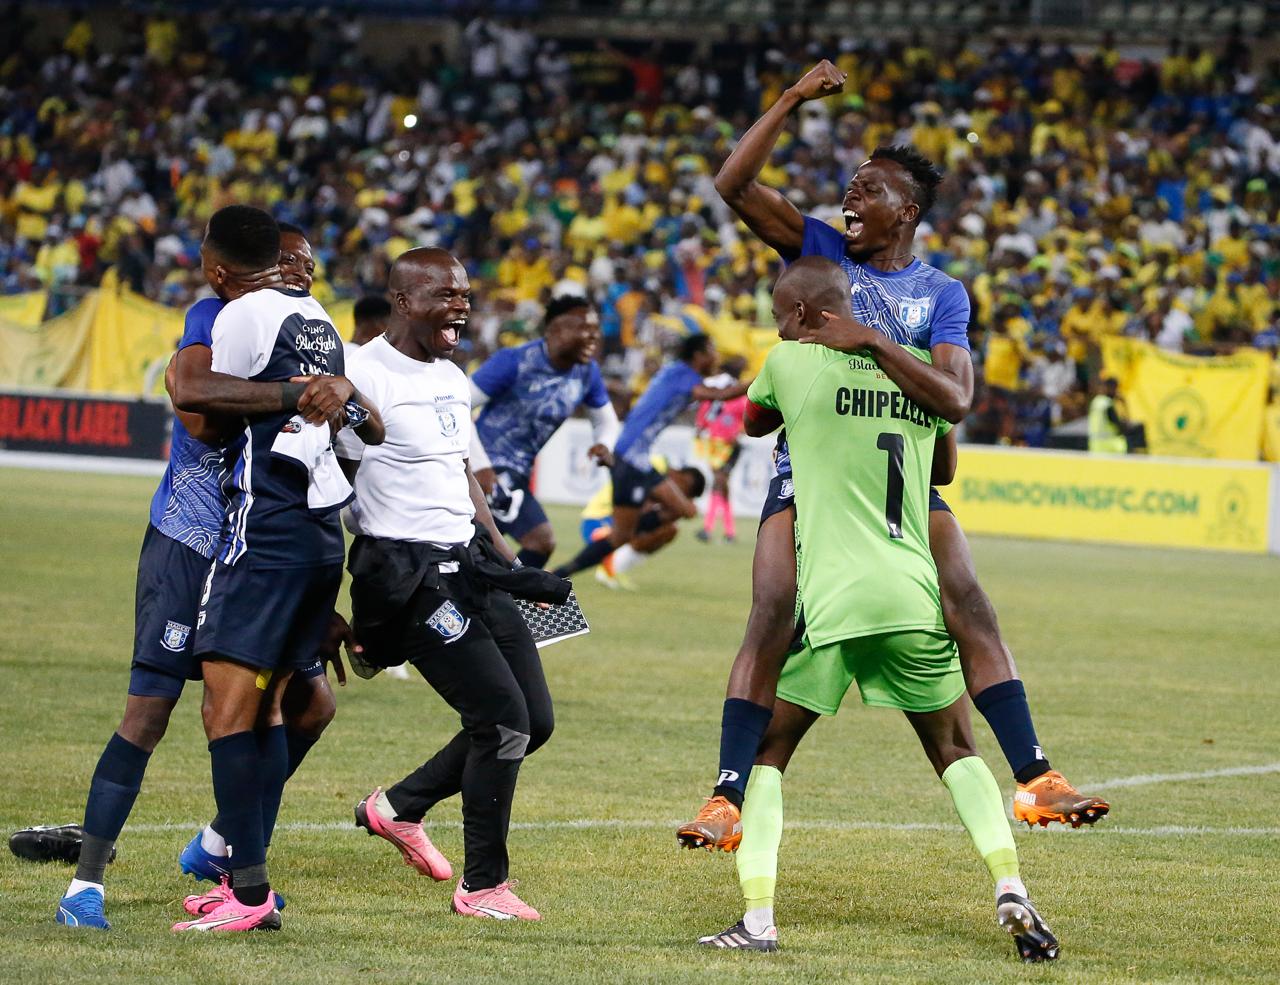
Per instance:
{"type": "Point", "coordinates": [916, 670]}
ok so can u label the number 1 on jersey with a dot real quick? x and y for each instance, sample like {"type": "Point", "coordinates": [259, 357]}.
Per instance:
{"type": "Point", "coordinates": [893, 444]}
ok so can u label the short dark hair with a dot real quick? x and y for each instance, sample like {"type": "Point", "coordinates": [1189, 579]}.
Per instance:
{"type": "Point", "coordinates": [924, 174]}
{"type": "Point", "coordinates": [563, 305]}
{"type": "Point", "coordinates": [289, 227]}
{"type": "Point", "coordinates": [697, 481]}
{"type": "Point", "coordinates": [371, 307]}
{"type": "Point", "coordinates": [691, 345]}
{"type": "Point", "coordinates": [246, 236]}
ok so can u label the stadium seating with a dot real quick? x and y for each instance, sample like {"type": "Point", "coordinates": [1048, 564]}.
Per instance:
{"type": "Point", "coordinates": [1094, 190]}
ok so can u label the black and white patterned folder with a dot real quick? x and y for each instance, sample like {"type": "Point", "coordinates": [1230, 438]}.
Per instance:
{"type": "Point", "coordinates": [559, 622]}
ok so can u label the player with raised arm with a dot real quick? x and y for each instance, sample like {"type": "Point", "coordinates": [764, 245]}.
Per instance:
{"type": "Point", "coordinates": [524, 394]}
{"type": "Point", "coordinates": [429, 570]}
{"type": "Point", "coordinates": [896, 300]}
{"type": "Point", "coordinates": [267, 599]}
{"type": "Point", "coordinates": [672, 389]}
{"type": "Point", "coordinates": [864, 454]}
{"type": "Point", "coordinates": [185, 520]}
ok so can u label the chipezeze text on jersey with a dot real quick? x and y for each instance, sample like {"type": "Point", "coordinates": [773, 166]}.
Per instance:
{"type": "Point", "coordinates": [856, 402]}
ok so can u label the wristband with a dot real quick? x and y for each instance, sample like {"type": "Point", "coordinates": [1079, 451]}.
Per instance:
{"type": "Point", "coordinates": [290, 394]}
{"type": "Point", "coordinates": [356, 414]}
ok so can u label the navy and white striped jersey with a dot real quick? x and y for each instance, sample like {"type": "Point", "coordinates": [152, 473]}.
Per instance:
{"type": "Point", "coordinates": [272, 335]}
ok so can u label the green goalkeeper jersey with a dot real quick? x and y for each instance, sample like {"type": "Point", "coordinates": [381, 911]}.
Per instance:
{"type": "Point", "coordinates": [862, 454]}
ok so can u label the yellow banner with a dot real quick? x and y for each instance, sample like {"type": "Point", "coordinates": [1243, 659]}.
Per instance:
{"type": "Point", "coordinates": [1112, 499]}
{"type": "Point", "coordinates": [24, 309]}
{"type": "Point", "coordinates": [52, 354]}
{"type": "Point", "coordinates": [1271, 433]}
{"type": "Point", "coordinates": [1192, 406]}
{"type": "Point", "coordinates": [132, 341]}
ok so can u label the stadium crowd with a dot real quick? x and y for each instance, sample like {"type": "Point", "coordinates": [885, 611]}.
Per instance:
{"type": "Point", "coordinates": [1089, 193]}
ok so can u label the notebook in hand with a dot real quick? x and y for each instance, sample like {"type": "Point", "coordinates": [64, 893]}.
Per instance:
{"type": "Point", "coordinates": [551, 625]}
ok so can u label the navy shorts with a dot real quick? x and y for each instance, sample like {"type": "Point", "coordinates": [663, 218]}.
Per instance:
{"type": "Point", "coordinates": [271, 618]}
{"type": "Point", "coordinates": [515, 509]}
{"type": "Point", "coordinates": [782, 496]}
{"type": "Point", "coordinates": [166, 601]}
{"type": "Point", "coordinates": [632, 485]}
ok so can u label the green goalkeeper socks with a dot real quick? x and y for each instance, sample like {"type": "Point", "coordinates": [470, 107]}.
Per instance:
{"type": "Point", "coordinates": [981, 809]}
{"type": "Point", "coordinates": [757, 856]}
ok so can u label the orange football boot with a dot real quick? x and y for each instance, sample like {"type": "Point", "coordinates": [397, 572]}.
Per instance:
{"type": "Point", "coordinates": [718, 825]}
{"type": "Point", "coordinates": [1049, 797]}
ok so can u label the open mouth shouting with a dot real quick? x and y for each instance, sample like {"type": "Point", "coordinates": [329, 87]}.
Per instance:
{"type": "Point", "coordinates": [451, 332]}
{"type": "Point", "coordinates": [852, 225]}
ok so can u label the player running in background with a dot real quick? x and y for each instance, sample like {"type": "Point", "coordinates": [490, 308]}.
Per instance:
{"type": "Point", "coordinates": [524, 394]}
{"type": "Point", "coordinates": [864, 455]}
{"type": "Point", "coordinates": [895, 299]}
{"type": "Point", "coordinates": [421, 591]}
{"type": "Point", "coordinates": [717, 442]}
{"type": "Point", "coordinates": [278, 562]}
{"type": "Point", "coordinates": [634, 479]}
{"type": "Point", "coordinates": [186, 517]}
{"type": "Point", "coordinates": [655, 529]}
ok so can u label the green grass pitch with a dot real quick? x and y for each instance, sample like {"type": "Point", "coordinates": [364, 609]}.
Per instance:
{"type": "Point", "coordinates": [1138, 662]}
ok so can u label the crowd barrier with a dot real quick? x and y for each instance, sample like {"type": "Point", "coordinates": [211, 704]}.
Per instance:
{"type": "Point", "coordinates": [84, 424]}
{"type": "Point", "coordinates": [1074, 496]}
{"type": "Point", "coordinates": [1054, 495]}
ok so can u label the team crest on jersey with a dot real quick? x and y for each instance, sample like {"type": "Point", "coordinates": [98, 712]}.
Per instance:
{"type": "Point", "coordinates": [448, 422]}
{"type": "Point", "coordinates": [291, 427]}
{"type": "Point", "coordinates": [914, 312]}
{"type": "Point", "coordinates": [449, 622]}
{"type": "Point", "coordinates": [787, 490]}
{"type": "Point", "coordinates": [174, 637]}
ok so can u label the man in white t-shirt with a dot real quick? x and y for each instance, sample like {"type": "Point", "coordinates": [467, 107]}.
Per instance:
{"type": "Point", "coordinates": [424, 552]}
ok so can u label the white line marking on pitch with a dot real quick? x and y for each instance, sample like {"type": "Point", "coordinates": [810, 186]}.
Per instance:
{"type": "Point", "coordinates": [606, 824]}
{"type": "Point", "coordinates": [1145, 779]}
{"type": "Point", "coordinates": [597, 824]}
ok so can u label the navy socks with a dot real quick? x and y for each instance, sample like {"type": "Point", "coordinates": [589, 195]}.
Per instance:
{"type": "Point", "coordinates": [299, 746]}
{"type": "Point", "coordinates": [1005, 708]}
{"type": "Point", "coordinates": [273, 748]}
{"type": "Point", "coordinates": [742, 726]}
{"type": "Point", "coordinates": [116, 781]}
{"type": "Point", "coordinates": [237, 790]}
{"type": "Point", "coordinates": [531, 558]}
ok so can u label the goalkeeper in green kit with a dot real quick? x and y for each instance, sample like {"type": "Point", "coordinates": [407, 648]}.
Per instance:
{"type": "Point", "coordinates": [863, 455]}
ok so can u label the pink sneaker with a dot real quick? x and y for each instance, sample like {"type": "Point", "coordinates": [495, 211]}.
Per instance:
{"type": "Point", "coordinates": [407, 836]}
{"type": "Point", "coordinates": [231, 914]}
{"type": "Point", "coordinates": [202, 903]}
{"type": "Point", "coordinates": [498, 903]}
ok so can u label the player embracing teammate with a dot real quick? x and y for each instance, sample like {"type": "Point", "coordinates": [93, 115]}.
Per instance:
{"type": "Point", "coordinates": [896, 303]}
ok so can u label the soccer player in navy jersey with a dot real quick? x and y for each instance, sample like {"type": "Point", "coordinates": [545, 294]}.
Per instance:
{"type": "Point", "coordinates": [672, 389]}
{"type": "Point", "coordinates": [185, 521]}
{"type": "Point", "coordinates": [308, 704]}
{"type": "Point", "coordinates": [524, 394]}
{"type": "Point", "coordinates": [896, 300]}
{"type": "Point", "coordinates": [267, 599]}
